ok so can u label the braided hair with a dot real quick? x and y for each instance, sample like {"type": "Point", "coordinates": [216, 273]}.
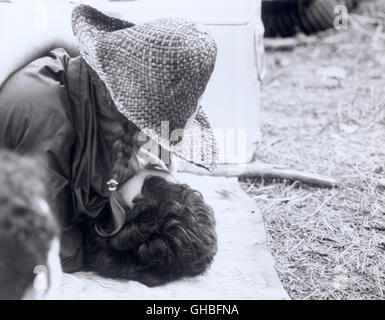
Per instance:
{"type": "Point", "coordinates": [123, 149]}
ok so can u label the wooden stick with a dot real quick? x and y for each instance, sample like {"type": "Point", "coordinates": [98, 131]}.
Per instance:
{"type": "Point", "coordinates": [289, 43]}
{"type": "Point", "coordinates": [260, 170]}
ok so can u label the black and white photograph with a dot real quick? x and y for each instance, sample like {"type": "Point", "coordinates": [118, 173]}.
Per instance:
{"type": "Point", "coordinates": [205, 151]}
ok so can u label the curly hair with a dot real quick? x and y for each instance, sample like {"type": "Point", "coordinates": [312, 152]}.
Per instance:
{"type": "Point", "coordinates": [168, 234]}
{"type": "Point", "coordinates": [25, 232]}
{"type": "Point", "coordinates": [172, 236]}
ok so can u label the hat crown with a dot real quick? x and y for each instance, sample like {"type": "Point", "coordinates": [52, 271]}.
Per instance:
{"type": "Point", "coordinates": [173, 59]}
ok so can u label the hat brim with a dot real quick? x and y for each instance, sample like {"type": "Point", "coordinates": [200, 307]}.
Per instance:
{"type": "Point", "coordinates": [198, 145]}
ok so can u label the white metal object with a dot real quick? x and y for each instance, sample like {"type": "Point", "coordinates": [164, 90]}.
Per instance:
{"type": "Point", "coordinates": [232, 97]}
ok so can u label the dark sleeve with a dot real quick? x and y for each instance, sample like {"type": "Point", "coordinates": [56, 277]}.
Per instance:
{"type": "Point", "coordinates": [33, 106]}
{"type": "Point", "coordinates": [35, 117]}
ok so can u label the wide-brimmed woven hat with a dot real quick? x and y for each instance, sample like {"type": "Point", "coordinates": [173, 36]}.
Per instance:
{"type": "Point", "coordinates": [155, 74]}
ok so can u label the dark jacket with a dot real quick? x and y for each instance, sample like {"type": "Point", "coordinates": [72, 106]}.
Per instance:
{"type": "Point", "coordinates": [52, 107]}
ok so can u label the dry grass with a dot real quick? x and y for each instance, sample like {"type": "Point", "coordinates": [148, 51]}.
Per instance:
{"type": "Point", "coordinates": [327, 243]}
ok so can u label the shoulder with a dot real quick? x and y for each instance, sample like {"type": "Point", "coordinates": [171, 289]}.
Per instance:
{"type": "Point", "coordinates": [39, 83]}
{"type": "Point", "coordinates": [36, 96]}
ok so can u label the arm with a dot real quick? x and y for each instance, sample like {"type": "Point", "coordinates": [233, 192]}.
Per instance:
{"type": "Point", "coordinates": [30, 30]}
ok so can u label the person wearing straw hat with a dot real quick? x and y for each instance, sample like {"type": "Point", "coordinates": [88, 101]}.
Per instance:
{"type": "Point", "coordinates": [97, 118]}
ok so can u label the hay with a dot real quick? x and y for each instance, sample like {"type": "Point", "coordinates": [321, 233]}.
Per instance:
{"type": "Point", "coordinates": [328, 243]}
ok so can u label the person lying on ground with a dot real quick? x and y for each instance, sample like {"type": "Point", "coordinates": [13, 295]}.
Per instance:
{"type": "Point", "coordinates": [92, 116]}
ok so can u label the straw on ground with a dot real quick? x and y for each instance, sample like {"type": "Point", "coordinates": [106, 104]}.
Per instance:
{"type": "Point", "coordinates": [327, 243]}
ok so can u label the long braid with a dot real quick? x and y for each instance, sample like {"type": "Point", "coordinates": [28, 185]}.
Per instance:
{"type": "Point", "coordinates": [122, 150]}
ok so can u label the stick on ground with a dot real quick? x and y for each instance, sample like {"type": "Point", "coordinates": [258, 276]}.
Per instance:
{"type": "Point", "coordinates": [260, 170]}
